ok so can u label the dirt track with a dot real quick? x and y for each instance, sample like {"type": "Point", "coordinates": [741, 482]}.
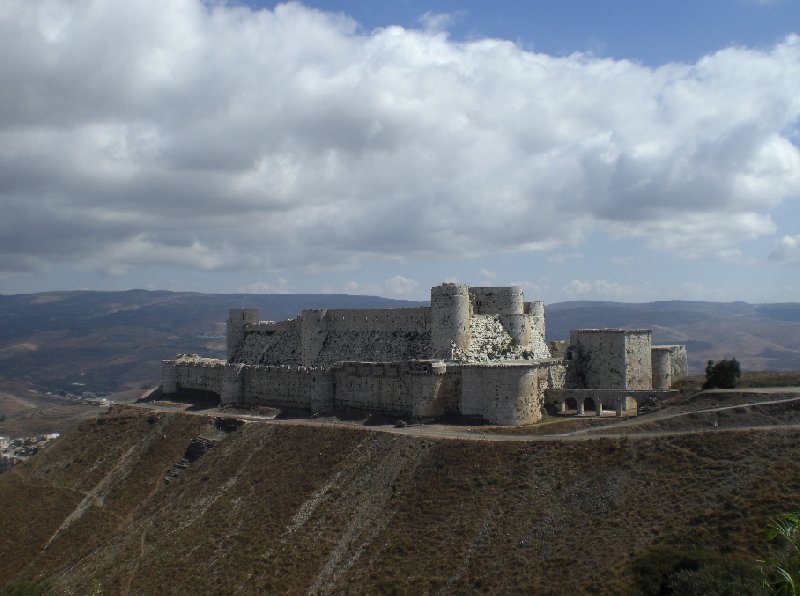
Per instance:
{"type": "Point", "coordinates": [485, 433]}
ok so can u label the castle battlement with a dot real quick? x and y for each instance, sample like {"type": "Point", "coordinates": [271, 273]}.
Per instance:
{"type": "Point", "coordinates": [475, 351]}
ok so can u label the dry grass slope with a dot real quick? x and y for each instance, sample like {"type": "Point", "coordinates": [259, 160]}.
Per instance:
{"type": "Point", "coordinates": [297, 508]}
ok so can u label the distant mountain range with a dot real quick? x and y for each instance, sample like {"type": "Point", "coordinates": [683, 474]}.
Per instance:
{"type": "Point", "coordinates": [108, 341]}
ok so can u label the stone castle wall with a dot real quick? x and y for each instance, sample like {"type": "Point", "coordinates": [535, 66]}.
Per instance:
{"type": "Point", "coordinates": [477, 351]}
{"type": "Point", "coordinates": [324, 337]}
{"type": "Point", "coordinates": [288, 386]}
{"type": "Point", "coordinates": [598, 357]}
{"type": "Point", "coordinates": [271, 344]}
{"type": "Point", "coordinates": [192, 372]}
{"type": "Point", "coordinates": [416, 389]}
{"type": "Point", "coordinates": [504, 393]}
{"type": "Point", "coordinates": [610, 359]}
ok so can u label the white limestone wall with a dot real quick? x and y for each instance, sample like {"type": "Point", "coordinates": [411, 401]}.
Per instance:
{"type": "Point", "coordinates": [489, 342]}
{"type": "Point", "coordinates": [510, 394]}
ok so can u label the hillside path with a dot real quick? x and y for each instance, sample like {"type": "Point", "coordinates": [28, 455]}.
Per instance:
{"type": "Point", "coordinates": [478, 433]}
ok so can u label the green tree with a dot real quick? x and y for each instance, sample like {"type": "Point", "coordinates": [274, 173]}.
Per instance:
{"type": "Point", "coordinates": [724, 374]}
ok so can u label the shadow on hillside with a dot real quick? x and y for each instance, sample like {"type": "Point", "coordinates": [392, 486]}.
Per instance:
{"type": "Point", "coordinates": [192, 400]}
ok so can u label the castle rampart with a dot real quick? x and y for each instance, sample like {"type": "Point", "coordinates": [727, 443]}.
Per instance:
{"type": "Point", "coordinates": [475, 352]}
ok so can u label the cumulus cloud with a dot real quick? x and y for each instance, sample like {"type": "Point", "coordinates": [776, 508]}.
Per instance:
{"type": "Point", "coordinates": [211, 136]}
{"type": "Point", "coordinates": [598, 289]}
{"type": "Point", "coordinates": [787, 250]}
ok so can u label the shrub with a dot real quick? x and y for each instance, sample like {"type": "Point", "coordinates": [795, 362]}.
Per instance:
{"type": "Point", "coordinates": [724, 374]}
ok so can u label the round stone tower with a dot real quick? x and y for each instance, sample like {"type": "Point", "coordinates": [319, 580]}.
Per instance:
{"type": "Point", "coordinates": [501, 300]}
{"type": "Point", "coordinates": [661, 358]}
{"type": "Point", "coordinates": [536, 309]}
{"type": "Point", "coordinates": [450, 317]}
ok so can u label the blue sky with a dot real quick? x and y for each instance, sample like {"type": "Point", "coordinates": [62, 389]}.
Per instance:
{"type": "Point", "coordinates": [618, 150]}
{"type": "Point", "coordinates": [649, 31]}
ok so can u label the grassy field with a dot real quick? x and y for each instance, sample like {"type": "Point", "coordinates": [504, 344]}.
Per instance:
{"type": "Point", "coordinates": [293, 509]}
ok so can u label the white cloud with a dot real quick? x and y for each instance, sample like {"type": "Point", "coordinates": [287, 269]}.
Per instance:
{"type": "Point", "coordinates": [601, 289]}
{"type": "Point", "coordinates": [787, 250]}
{"type": "Point", "coordinates": [396, 286]}
{"type": "Point", "coordinates": [532, 290]}
{"type": "Point", "coordinates": [401, 286]}
{"type": "Point", "coordinates": [487, 274]}
{"type": "Point", "coordinates": [598, 289]}
{"type": "Point", "coordinates": [215, 136]}
{"type": "Point", "coordinates": [439, 21]}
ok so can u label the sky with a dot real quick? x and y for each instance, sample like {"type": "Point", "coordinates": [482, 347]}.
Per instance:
{"type": "Point", "coordinates": [629, 150]}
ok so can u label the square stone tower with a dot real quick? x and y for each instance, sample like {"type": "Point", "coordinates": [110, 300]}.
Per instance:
{"type": "Point", "coordinates": [611, 358]}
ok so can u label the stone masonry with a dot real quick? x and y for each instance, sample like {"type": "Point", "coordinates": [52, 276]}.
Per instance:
{"type": "Point", "coordinates": [476, 351]}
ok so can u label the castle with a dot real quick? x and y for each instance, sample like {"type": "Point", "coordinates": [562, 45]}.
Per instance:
{"type": "Point", "coordinates": [475, 351]}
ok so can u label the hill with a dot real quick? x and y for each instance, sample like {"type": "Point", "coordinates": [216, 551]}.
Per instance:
{"type": "Point", "coordinates": [760, 336]}
{"type": "Point", "coordinates": [287, 507]}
